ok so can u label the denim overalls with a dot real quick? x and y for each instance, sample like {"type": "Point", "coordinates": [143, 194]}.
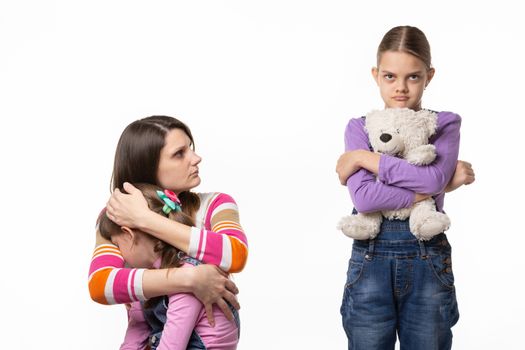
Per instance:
{"type": "Point", "coordinates": [155, 316]}
{"type": "Point", "coordinates": [397, 284]}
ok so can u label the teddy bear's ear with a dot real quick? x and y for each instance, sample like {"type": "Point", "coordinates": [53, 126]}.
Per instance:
{"type": "Point", "coordinates": [429, 120]}
{"type": "Point", "coordinates": [373, 118]}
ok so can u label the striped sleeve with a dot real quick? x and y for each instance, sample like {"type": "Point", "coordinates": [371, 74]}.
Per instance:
{"type": "Point", "coordinates": [222, 241]}
{"type": "Point", "coordinates": [109, 282]}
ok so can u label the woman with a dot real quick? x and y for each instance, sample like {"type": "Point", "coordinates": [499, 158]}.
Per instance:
{"type": "Point", "coordinates": [160, 150]}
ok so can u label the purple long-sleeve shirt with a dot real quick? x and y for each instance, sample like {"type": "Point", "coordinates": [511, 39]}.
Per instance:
{"type": "Point", "coordinates": [399, 181]}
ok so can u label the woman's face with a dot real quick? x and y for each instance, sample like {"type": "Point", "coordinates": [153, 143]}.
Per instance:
{"type": "Point", "coordinates": [178, 164]}
{"type": "Point", "coordinates": [402, 79]}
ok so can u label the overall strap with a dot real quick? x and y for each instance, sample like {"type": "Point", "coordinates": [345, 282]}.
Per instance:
{"type": "Point", "coordinates": [423, 250]}
{"type": "Point", "coordinates": [369, 144]}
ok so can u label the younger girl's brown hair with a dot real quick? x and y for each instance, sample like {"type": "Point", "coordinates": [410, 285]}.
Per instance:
{"type": "Point", "coordinates": [169, 254]}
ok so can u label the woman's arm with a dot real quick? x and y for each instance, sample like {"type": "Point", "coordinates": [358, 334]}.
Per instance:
{"type": "Point", "coordinates": [225, 245]}
{"type": "Point", "coordinates": [368, 194]}
{"type": "Point", "coordinates": [131, 209]}
{"type": "Point", "coordinates": [111, 283]}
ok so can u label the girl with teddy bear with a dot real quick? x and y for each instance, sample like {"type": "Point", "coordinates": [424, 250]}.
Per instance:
{"type": "Point", "coordinates": [400, 285]}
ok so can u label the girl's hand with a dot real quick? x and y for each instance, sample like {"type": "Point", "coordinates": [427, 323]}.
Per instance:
{"type": "Point", "coordinates": [464, 175]}
{"type": "Point", "coordinates": [211, 286]}
{"type": "Point", "coordinates": [347, 165]}
{"type": "Point", "coordinates": [127, 209]}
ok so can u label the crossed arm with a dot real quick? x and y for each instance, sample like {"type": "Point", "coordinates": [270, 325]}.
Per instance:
{"type": "Point", "coordinates": [401, 184]}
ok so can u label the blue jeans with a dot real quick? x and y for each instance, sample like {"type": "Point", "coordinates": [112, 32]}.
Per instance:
{"type": "Point", "coordinates": [397, 285]}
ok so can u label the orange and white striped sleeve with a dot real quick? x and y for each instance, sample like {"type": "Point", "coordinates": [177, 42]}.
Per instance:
{"type": "Point", "coordinates": [109, 282]}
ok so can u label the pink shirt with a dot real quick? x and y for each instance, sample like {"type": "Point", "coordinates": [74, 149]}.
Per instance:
{"type": "Point", "coordinates": [185, 313]}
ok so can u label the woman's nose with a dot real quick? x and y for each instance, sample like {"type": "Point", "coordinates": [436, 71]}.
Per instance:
{"type": "Point", "coordinates": [196, 158]}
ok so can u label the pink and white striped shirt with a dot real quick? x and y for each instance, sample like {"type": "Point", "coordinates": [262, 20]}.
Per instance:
{"type": "Point", "coordinates": [218, 239]}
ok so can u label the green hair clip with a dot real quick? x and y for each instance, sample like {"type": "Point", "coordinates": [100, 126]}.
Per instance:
{"type": "Point", "coordinates": [171, 201]}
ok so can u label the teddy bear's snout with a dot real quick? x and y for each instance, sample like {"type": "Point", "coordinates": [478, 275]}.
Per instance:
{"type": "Point", "coordinates": [385, 137]}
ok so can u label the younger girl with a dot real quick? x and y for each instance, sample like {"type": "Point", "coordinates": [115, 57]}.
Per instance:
{"type": "Point", "coordinates": [397, 285]}
{"type": "Point", "coordinates": [177, 321]}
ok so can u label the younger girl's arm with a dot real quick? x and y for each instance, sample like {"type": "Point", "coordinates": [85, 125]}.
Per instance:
{"type": "Point", "coordinates": [138, 330]}
{"type": "Point", "coordinates": [225, 245]}
{"type": "Point", "coordinates": [182, 316]}
{"type": "Point", "coordinates": [368, 194]}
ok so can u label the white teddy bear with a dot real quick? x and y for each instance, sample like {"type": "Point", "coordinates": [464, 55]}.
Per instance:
{"type": "Point", "coordinates": [404, 133]}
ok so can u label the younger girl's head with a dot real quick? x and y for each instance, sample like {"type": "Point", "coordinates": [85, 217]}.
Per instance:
{"type": "Point", "coordinates": [138, 248]}
{"type": "Point", "coordinates": [159, 150]}
{"type": "Point", "coordinates": [404, 67]}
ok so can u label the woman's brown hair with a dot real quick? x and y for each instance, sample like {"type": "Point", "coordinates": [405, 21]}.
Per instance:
{"type": "Point", "coordinates": [169, 254]}
{"type": "Point", "coordinates": [138, 153]}
{"type": "Point", "coordinates": [406, 39]}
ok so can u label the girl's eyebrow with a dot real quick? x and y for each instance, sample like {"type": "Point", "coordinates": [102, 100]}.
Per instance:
{"type": "Point", "coordinates": [412, 73]}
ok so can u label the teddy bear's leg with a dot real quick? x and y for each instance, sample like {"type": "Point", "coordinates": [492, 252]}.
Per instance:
{"type": "Point", "coordinates": [361, 226]}
{"type": "Point", "coordinates": [426, 222]}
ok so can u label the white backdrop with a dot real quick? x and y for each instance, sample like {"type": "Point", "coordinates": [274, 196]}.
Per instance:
{"type": "Point", "coordinates": [267, 88]}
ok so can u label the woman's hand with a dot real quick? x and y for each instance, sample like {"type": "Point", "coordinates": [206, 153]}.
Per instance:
{"type": "Point", "coordinates": [211, 286]}
{"type": "Point", "coordinates": [127, 209]}
{"type": "Point", "coordinates": [464, 175]}
{"type": "Point", "coordinates": [347, 165]}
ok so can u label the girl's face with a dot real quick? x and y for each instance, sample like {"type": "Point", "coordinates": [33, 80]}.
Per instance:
{"type": "Point", "coordinates": [136, 247]}
{"type": "Point", "coordinates": [178, 164]}
{"type": "Point", "coordinates": [402, 79]}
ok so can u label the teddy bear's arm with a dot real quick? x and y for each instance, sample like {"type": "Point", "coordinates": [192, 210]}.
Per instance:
{"type": "Point", "coordinates": [433, 178]}
{"type": "Point", "coordinates": [422, 155]}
